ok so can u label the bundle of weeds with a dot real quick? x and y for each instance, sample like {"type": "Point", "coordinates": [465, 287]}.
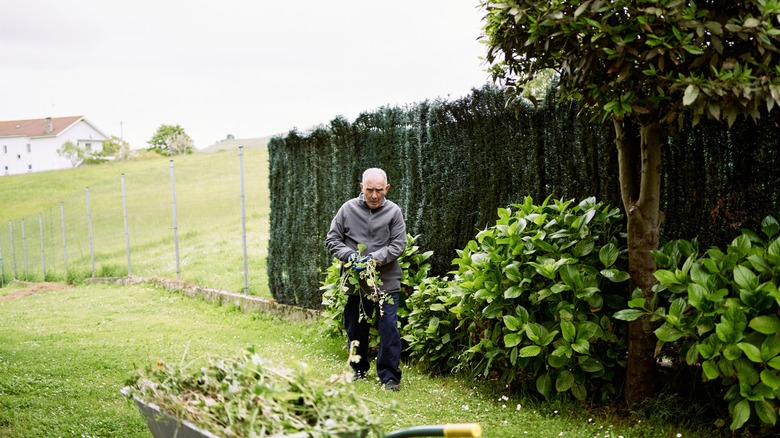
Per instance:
{"type": "Point", "coordinates": [246, 397]}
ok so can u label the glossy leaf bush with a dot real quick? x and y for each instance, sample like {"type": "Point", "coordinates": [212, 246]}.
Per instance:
{"type": "Point", "coordinates": [720, 311]}
{"type": "Point", "coordinates": [531, 298]}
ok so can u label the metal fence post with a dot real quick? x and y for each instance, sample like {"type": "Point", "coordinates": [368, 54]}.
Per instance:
{"type": "Point", "coordinates": [43, 251]}
{"type": "Point", "coordinates": [89, 227]}
{"type": "Point", "coordinates": [127, 234]}
{"type": "Point", "coordinates": [175, 225]}
{"type": "Point", "coordinates": [13, 249]}
{"type": "Point", "coordinates": [64, 241]}
{"type": "Point", "coordinates": [24, 253]}
{"type": "Point", "coordinates": [2, 268]}
{"type": "Point", "coordinates": [243, 215]}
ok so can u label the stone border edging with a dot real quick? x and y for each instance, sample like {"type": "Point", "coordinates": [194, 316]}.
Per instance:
{"type": "Point", "coordinates": [247, 303]}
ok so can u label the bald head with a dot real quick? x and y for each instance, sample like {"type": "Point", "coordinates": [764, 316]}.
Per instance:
{"type": "Point", "coordinates": [375, 172]}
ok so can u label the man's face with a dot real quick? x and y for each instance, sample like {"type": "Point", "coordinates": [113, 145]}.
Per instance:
{"type": "Point", "coordinates": [374, 190]}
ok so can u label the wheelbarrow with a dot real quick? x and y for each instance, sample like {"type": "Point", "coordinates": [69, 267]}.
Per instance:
{"type": "Point", "coordinates": [163, 425]}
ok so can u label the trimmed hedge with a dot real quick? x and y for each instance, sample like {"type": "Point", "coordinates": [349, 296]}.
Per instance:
{"type": "Point", "coordinates": [452, 164]}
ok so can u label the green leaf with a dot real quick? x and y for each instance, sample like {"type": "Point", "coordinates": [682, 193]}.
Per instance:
{"type": "Point", "coordinates": [710, 370]}
{"type": "Point", "coordinates": [696, 294]}
{"type": "Point", "coordinates": [629, 314]}
{"type": "Point", "coordinates": [769, 226]}
{"type": "Point", "coordinates": [692, 355]}
{"type": "Point", "coordinates": [572, 277]}
{"type": "Point", "coordinates": [770, 347]}
{"type": "Point", "coordinates": [665, 277]}
{"type": "Point", "coordinates": [513, 291]}
{"type": "Point", "coordinates": [706, 349]}
{"type": "Point", "coordinates": [770, 379]}
{"type": "Point", "coordinates": [667, 333]}
{"type": "Point", "coordinates": [766, 412]}
{"type": "Point", "coordinates": [740, 415]}
{"type": "Point", "coordinates": [512, 323]}
{"type": "Point", "coordinates": [568, 330]}
{"type": "Point", "coordinates": [534, 332]}
{"type": "Point", "coordinates": [732, 325]}
{"type": "Point", "coordinates": [751, 351]}
{"type": "Point", "coordinates": [563, 349]}
{"type": "Point", "coordinates": [433, 324]}
{"type": "Point", "coordinates": [774, 363]}
{"type": "Point", "coordinates": [765, 324]}
{"type": "Point", "coordinates": [759, 264]}
{"type": "Point", "coordinates": [544, 385]}
{"type": "Point", "coordinates": [699, 274]}
{"type": "Point", "coordinates": [586, 330]}
{"type": "Point", "coordinates": [530, 351]}
{"type": "Point", "coordinates": [564, 381]}
{"type": "Point", "coordinates": [512, 339]}
{"type": "Point", "coordinates": [579, 392]}
{"type": "Point", "coordinates": [560, 360]}
{"type": "Point", "coordinates": [591, 365]}
{"type": "Point", "coordinates": [512, 272]}
{"type": "Point", "coordinates": [581, 346]}
{"type": "Point", "coordinates": [583, 248]}
{"type": "Point", "coordinates": [745, 278]}
{"type": "Point", "coordinates": [732, 352]}
{"type": "Point", "coordinates": [608, 254]}
{"type": "Point", "coordinates": [615, 275]}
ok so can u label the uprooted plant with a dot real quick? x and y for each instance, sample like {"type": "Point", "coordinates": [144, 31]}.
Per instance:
{"type": "Point", "coordinates": [245, 396]}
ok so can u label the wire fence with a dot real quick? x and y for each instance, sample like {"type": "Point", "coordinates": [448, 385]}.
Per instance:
{"type": "Point", "coordinates": [202, 221]}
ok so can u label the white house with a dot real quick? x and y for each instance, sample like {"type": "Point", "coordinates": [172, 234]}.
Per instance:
{"type": "Point", "coordinates": [31, 145]}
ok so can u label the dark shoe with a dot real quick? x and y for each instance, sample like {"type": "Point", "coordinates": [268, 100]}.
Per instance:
{"type": "Point", "coordinates": [358, 375]}
{"type": "Point", "coordinates": [392, 385]}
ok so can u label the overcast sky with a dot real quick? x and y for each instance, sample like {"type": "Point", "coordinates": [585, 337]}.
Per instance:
{"type": "Point", "coordinates": [246, 68]}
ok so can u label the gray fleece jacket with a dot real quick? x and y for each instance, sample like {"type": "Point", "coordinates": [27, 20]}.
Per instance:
{"type": "Point", "coordinates": [382, 230]}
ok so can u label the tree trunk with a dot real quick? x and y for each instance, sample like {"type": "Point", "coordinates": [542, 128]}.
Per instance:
{"type": "Point", "coordinates": [640, 185]}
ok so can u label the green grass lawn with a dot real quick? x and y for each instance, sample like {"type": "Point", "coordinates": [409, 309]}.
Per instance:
{"type": "Point", "coordinates": [65, 354]}
{"type": "Point", "coordinates": [208, 220]}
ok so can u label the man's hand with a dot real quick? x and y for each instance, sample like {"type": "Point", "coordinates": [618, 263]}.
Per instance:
{"type": "Point", "coordinates": [360, 265]}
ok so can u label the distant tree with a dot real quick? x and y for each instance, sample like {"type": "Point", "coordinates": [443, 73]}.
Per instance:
{"type": "Point", "coordinates": [73, 153]}
{"type": "Point", "coordinates": [644, 65]}
{"type": "Point", "coordinates": [171, 140]}
{"type": "Point", "coordinates": [116, 147]}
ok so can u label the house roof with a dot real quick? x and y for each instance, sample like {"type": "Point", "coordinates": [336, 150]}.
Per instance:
{"type": "Point", "coordinates": [36, 127]}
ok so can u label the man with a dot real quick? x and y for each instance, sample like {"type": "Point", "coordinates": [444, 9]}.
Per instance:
{"type": "Point", "coordinates": [372, 220]}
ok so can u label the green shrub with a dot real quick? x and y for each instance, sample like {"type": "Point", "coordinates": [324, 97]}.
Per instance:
{"type": "Point", "coordinates": [720, 311]}
{"type": "Point", "coordinates": [433, 333]}
{"type": "Point", "coordinates": [532, 297]}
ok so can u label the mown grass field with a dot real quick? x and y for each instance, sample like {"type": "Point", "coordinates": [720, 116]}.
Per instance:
{"type": "Point", "coordinates": [208, 220]}
{"type": "Point", "coordinates": [65, 352]}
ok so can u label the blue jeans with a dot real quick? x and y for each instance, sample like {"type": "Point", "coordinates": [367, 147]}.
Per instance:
{"type": "Point", "coordinates": [357, 328]}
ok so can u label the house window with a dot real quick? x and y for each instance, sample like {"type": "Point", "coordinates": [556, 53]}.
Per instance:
{"type": "Point", "coordinates": [29, 167]}
{"type": "Point", "coordinates": [88, 147]}
{"type": "Point", "coordinates": [18, 156]}
{"type": "Point", "coordinates": [6, 170]}
{"type": "Point", "coordinates": [29, 148]}
{"type": "Point", "coordinates": [5, 149]}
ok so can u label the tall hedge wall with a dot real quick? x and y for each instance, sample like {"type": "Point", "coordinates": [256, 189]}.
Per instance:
{"type": "Point", "coordinates": [451, 164]}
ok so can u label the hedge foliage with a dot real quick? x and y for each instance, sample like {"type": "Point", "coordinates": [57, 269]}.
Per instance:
{"type": "Point", "coordinates": [719, 311]}
{"type": "Point", "coordinates": [532, 299]}
{"type": "Point", "coordinates": [451, 164]}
